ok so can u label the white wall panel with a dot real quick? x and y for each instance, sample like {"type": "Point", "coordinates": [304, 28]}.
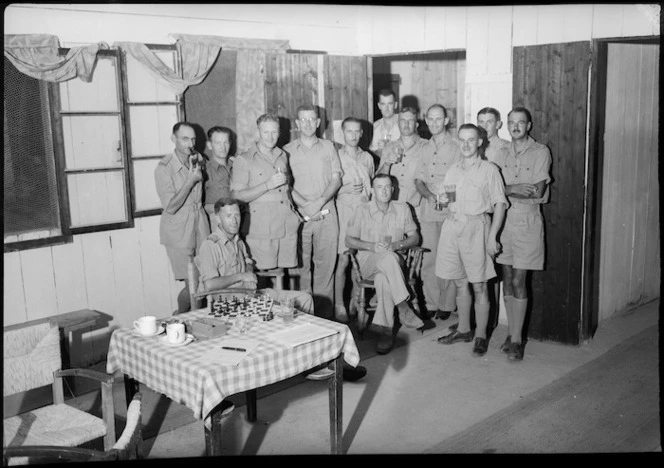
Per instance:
{"type": "Point", "coordinates": [39, 283]}
{"type": "Point", "coordinates": [13, 300]}
{"type": "Point", "coordinates": [434, 28]}
{"type": "Point", "coordinates": [455, 27]}
{"type": "Point", "coordinates": [524, 25]}
{"type": "Point", "coordinates": [499, 42]}
{"type": "Point", "coordinates": [607, 21]}
{"type": "Point", "coordinates": [99, 272]}
{"type": "Point", "coordinates": [69, 271]}
{"type": "Point", "coordinates": [477, 45]}
{"type": "Point", "coordinates": [637, 19]}
{"type": "Point", "coordinates": [129, 301]}
{"type": "Point", "coordinates": [550, 24]}
{"type": "Point", "coordinates": [155, 268]}
{"type": "Point", "coordinates": [578, 22]}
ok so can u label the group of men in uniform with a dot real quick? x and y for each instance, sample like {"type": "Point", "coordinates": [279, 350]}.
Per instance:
{"type": "Point", "coordinates": [307, 203]}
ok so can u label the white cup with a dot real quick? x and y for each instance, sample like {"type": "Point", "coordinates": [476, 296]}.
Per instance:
{"type": "Point", "coordinates": [175, 333]}
{"type": "Point", "coordinates": [146, 325]}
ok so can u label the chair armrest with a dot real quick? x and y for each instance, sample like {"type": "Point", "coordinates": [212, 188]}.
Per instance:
{"type": "Point", "coordinates": [86, 373]}
{"type": "Point", "coordinates": [51, 453]}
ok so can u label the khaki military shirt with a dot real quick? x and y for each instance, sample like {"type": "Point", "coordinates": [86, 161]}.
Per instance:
{"type": "Point", "coordinates": [435, 162]}
{"type": "Point", "coordinates": [271, 215]}
{"type": "Point", "coordinates": [531, 165]}
{"type": "Point", "coordinates": [188, 226]}
{"type": "Point", "coordinates": [313, 167]}
{"type": "Point", "coordinates": [479, 186]}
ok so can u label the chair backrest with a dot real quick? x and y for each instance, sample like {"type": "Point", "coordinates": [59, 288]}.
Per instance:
{"type": "Point", "coordinates": [31, 355]}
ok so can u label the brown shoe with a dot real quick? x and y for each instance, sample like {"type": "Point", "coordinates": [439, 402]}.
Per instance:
{"type": "Point", "coordinates": [385, 343]}
{"type": "Point", "coordinates": [456, 336]}
{"type": "Point", "coordinates": [516, 352]}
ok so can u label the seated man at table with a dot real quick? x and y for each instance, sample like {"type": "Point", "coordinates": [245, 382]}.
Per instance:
{"type": "Point", "coordinates": [378, 260]}
{"type": "Point", "coordinates": [223, 262]}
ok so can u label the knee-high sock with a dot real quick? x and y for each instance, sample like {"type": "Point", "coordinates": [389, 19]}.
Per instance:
{"type": "Point", "coordinates": [481, 319]}
{"type": "Point", "coordinates": [509, 311]}
{"type": "Point", "coordinates": [519, 312]}
{"type": "Point", "coordinates": [464, 304]}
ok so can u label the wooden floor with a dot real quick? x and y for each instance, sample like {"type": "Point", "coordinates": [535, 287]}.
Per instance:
{"type": "Point", "coordinates": [610, 404]}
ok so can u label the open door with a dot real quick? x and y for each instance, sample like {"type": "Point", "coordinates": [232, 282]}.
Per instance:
{"type": "Point", "coordinates": [552, 82]}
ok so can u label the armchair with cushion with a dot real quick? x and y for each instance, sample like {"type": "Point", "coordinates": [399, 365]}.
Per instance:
{"type": "Point", "coordinates": [32, 360]}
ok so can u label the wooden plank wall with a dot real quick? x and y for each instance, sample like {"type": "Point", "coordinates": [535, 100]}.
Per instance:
{"type": "Point", "coordinates": [433, 78]}
{"type": "Point", "coordinates": [291, 80]}
{"type": "Point", "coordinates": [346, 91]}
{"type": "Point", "coordinates": [552, 82]}
{"type": "Point", "coordinates": [630, 239]}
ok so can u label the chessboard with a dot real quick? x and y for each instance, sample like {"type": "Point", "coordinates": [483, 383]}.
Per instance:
{"type": "Point", "coordinates": [227, 308]}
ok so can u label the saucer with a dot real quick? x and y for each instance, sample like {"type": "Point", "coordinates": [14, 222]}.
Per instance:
{"type": "Point", "coordinates": [160, 330]}
{"type": "Point", "coordinates": [189, 339]}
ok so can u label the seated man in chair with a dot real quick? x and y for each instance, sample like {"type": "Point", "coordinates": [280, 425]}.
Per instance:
{"type": "Point", "coordinates": [223, 262]}
{"type": "Point", "coordinates": [378, 260]}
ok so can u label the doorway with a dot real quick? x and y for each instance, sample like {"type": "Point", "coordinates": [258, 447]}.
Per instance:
{"type": "Point", "coordinates": [420, 80]}
{"type": "Point", "coordinates": [628, 267]}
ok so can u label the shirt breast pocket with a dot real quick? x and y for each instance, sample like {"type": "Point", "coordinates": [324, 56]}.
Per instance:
{"type": "Point", "coordinates": [473, 192]}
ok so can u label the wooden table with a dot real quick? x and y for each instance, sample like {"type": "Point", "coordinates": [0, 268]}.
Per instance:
{"type": "Point", "coordinates": [181, 374]}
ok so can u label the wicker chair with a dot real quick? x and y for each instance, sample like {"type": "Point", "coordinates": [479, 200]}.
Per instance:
{"type": "Point", "coordinates": [32, 360]}
{"type": "Point", "coordinates": [128, 447]}
{"type": "Point", "coordinates": [358, 302]}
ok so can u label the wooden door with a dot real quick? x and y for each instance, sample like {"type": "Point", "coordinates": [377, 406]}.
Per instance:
{"type": "Point", "coordinates": [244, 84]}
{"type": "Point", "coordinates": [552, 82]}
{"type": "Point", "coordinates": [629, 263]}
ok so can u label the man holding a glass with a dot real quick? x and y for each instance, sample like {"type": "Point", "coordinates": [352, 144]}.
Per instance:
{"type": "Point", "coordinates": [385, 129]}
{"type": "Point", "coordinates": [439, 154]}
{"type": "Point", "coordinates": [378, 229]}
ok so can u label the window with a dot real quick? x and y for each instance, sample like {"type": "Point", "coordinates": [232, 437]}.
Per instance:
{"type": "Point", "coordinates": [152, 109]}
{"type": "Point", "coordinates": [31, 193]}
{"type": "Point", "coordinates": [80, 157]}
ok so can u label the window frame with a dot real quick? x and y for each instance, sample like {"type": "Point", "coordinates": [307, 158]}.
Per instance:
{"type": "Point", "coordinates": [127, 104]}
{"type": "Point", "coordinates": [57, 136]}
{"type": "Point", "coordinates": [59, 150]}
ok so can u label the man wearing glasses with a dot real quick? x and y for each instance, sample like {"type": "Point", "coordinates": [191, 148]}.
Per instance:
{"type": "Point", "coordinates": [317, 172]}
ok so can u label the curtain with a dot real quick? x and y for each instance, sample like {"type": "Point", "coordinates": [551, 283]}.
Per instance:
{"type": "Point", "coordinates": [36, 55]}
{"type": "Point", "coordinates": [198, 53]}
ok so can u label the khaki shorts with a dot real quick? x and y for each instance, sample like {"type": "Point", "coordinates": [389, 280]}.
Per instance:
{"type": "Point", "coordinates": [179, 258]}
{"type": "Point", "coordinates": [522, 240]}
{"type": "Point", "coordinates": [273, 253]}
{"type": "Point", "coordinates": [462, 250]}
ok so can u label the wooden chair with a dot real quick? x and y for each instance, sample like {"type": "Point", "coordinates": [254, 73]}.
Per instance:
{"type": "Point", "coordinates": [32, 360]}
{"type": "Point", "coordinates": [358, 302]}
{"type": "Point", "coordinates": [128, 447]}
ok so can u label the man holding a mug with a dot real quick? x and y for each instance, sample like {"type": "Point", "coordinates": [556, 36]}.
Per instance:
{"type": "Point", "coordinates": [469, 238]}
{"type": "Point", "coordinates": [439, 154]}
{"type": "Point", "coordinates": [368, 232]}
{"type": "Point", "coordinates": [183, 224]}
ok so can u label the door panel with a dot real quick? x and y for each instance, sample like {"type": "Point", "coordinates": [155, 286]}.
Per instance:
{"type": "Point", "coordinates": [630, 251]}
{"type": "Point", "coordinates": [552, 82]}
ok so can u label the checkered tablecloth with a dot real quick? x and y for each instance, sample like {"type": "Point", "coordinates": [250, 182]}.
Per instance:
{"type": "Point", "coordinates": [178, 373]}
